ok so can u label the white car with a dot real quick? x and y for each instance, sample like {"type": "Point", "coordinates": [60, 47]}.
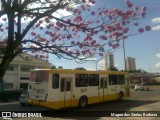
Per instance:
{"type": "Point", "coordinates": [141, 87]}
{"type": "Point", "coordinates": [23, 98]}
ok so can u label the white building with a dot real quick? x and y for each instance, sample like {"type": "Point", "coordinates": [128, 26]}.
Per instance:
{"type": "Point", "coordinates": [130, 64]}
{"type": "Point", "coordinates": [18, 72]}
{"type": "Point", "coordinates": [109, 61]}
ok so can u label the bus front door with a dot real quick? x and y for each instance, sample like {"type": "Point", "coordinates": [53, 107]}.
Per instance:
{"type": "Point", "coordinates": [103, 88]}
{"type": "Point", "coordinates": [65, 92]}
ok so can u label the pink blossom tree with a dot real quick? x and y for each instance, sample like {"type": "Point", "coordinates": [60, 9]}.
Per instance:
{"type": "Point", "coordinates": [37, 26]}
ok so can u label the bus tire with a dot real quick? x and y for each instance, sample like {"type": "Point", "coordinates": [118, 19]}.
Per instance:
{"type": "Point", "coordinates": [83, 101]}
{"type": "Point", "coordinates": [120, 95]}
{"type": "Point", "coordinates": [23, 104]}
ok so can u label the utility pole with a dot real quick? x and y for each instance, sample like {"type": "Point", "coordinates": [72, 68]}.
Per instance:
{"type": "Point", "coordinates": [124, 55]}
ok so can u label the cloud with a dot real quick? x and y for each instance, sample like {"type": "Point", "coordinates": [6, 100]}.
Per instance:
{"type": "Point", "coordinates": [116, 65]}
{"type": "Point", "coordinates": [2, 21]}
{"type": "Point", "coordinates": [90, 68]}
{"type": "Point", "coordinates": [158, 55]}
{"type": "Point", "coordinates": [62, 13]}
{"type": "Point", "coordinates": [156, 20]}
{"type": "Point", "coordinates": [156, 27]}
{"type": "Point", "coordinates": [157, 65]}
{"type": "Point", "coordinates": [101, 62]}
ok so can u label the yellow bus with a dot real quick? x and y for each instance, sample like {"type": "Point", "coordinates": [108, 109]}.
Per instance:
{"type": "Point", "coordinates": [61, 88]}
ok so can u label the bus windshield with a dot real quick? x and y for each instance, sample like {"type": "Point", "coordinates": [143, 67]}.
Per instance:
{"type": "Point", "coordinates": [39, 76]}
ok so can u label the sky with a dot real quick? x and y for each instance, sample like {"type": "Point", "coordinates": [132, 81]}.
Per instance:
{"type": "Point", "coordinates": [145, 47]}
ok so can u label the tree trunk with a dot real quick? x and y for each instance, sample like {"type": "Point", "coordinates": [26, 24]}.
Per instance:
{"type": "Point", "coordinates": [9, 50]}
{"type": "Point", "coordinates": [4, 65]}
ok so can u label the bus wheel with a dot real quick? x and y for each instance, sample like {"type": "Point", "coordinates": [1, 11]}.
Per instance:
{"type": "Point", "coordinates": [120, 95]}
{"type": "Point", "coordinates": [83, 102]}
{"type": "Point", "coordinates": [22, 104]}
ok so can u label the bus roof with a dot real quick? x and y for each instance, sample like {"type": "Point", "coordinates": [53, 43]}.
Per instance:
{"type": "Point", "coordinates": [70, 71]}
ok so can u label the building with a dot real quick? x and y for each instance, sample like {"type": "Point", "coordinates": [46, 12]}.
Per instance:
{"type": "Point", "coordinates": [130, 64]}
{"type": "Point", "coordinates": [157, 78]}
{"type": "Point", "coordinates": [18, 72]}
{"type": "Point", "coordinates": [138, 78]}
{"type": "Point", "coordinates": [109, 61]}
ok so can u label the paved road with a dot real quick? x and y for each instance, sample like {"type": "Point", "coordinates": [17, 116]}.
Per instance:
{"type": "Point", "coordinates": [139, 101]}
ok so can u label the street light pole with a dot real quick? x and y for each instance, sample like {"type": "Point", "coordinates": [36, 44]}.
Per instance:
{"type": "Point", "coordinates": [96, 65]}
{"type": "Point", "coordinates": [124, 55]}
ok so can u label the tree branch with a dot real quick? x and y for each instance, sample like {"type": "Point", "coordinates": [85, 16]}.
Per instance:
{"type": "Point", "coordinates": [46, 13]}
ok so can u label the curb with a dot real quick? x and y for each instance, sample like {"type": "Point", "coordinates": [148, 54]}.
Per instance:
{"type": "Point", "coordinates": [9, 103]}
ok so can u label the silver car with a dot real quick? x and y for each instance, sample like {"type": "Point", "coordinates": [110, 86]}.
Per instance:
{"type": "Point", "coordinates": [23, 98]}
{"type": "Point", "coordinates": [141, 87]}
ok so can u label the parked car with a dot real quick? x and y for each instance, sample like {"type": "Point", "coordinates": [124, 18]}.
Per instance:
{"type": "Point", "coordinates": [23, 98]}
{"type": "Point", "coordinates": [142, 87]}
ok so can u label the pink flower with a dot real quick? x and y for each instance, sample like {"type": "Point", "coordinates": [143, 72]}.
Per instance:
{"type": "Point", "coordinates": [147, 28]}
{"type": "Point", "coordinates": [77, 53]}
{"type": "Point", "coordinates": [130, 5]}
{"type": "Point", "coordinates": [125, 37]}
{"type": "Point", "coordinates": [93, 2]}
{"type": "Point", "coordinates": [127, 1]}
{"type": "Point", "coordinates": [114, 46]}
{"type": "Point", "coordinates": [72, 42]}
{"type": "Point", "coordinates": [136, 24]}
{"type": "Point", "coordinates": [83, 7]}
{"type": "Point", "coordinates": [80, 46]}
{"type": "Point", "coordinates": [41, 28]}
{"type": "Point", "coordinates": [69, 20]}
{"type": "Point", "coordinates": [126, 30]}
{"type": "Point", "coordinates": [143, 14]}
{"type": "Point", "coordinates": [136, 7]}
{"type": "Point", "coordinates": [84, 52]}
{"type": "Point", "coordinates": [93, 42]}
{"type": "Point", "coordinates": [144, 8]}
{"type": "Point", "coordinates": [78, 18]}
{"type": "Point", "coordinates": [93, 13]}
{"type": "Point", "coordinates": [141, 30]}
{"type": "Point", "coordinates": [47, 20]}
{"type": "Point", "coordinates": [69, 36]}
{"type": "Point", "coordinates": [33, 33]}
{"type": "Point", "coordinates": [4, 19]}
{"type": "Point", "coordinates": [100, 54]}
{"type": "Point", "coordinates": [1, 30]}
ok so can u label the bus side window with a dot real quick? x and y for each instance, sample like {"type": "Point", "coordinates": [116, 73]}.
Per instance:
{"type": "Point", "coordinates": [101, 83]}
{"type": "Point", "coordinates": [62, 85]}
{"type": "Point", "coordinates": [68, 86]}
{"type": "Point", "coordinates": [55, 81]}
{"type": "Point", "coordinates": [113, 79]}
{"type": "Point", "coordinates": [121, 79]}
{"type": "Point", "coordinates": [81, 80]}
{"type": "Point", "coordinates": [93, 80]}
{"type": "Point", "coordinates": [105, 83]}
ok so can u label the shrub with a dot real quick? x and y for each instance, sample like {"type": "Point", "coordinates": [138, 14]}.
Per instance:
{"type": "Point", "coordinates": [7, 96]}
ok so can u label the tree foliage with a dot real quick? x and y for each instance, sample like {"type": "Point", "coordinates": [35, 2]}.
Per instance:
{"type": "Point", "coordinates": [72, 29]}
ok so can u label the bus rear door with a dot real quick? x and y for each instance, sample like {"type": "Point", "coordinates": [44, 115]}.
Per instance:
{"type": "Point", "coordinates": [103, 88]}
{"type": "Point", "coordinates": [65, 91]}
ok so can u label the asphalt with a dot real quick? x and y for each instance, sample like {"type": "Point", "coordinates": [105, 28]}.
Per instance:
{"type": "Point", "coordinates": [147, 107]}
{"type": "Point", "coordinates": [150, 107]}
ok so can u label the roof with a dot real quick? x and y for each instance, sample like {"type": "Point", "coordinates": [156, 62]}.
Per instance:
{"type": "Point", "coordinates": [69, 71]}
